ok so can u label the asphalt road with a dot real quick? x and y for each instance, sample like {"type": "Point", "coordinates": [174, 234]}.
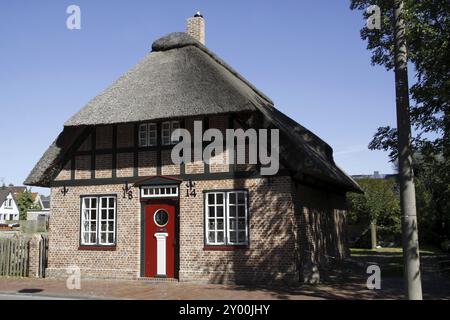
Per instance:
{"type": "Point", "coordinates": [30, 297]}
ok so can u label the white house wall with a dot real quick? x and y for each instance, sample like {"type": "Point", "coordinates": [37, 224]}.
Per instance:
{"type": "Point", "coordinates": [7, 214]}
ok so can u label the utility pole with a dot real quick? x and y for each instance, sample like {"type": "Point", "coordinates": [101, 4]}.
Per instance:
{"type": "Point", "coordinates": [411, 260]}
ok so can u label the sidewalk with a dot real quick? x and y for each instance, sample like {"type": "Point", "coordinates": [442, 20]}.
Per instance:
{"type": "Point", "coordinates": [141, 290]}
{"type": "Point", "coordinates": [348, 281]}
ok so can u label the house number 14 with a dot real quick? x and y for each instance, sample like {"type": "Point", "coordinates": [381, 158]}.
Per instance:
{"type": "Point", "coordinates": [190, 191]}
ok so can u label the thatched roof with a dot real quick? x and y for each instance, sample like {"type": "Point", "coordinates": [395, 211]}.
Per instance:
{"type": "Point", "coordinates": [180, 78]}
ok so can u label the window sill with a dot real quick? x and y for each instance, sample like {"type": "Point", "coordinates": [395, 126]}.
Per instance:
{"type": "Point", "coordinates": [225, 248]}
{"type": "Point", "coordinates": [97, 248]}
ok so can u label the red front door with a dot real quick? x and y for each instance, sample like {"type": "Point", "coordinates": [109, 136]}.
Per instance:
{"type": "Point", "coordinates": [160, 240]}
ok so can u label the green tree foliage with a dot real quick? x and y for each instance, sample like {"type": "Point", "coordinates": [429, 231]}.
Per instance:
{"type": "Point", "coordinates": [428, 40]}
{"type": "Point", "coordinates": [25, 202]}
{"type": "Point", "coordinates": [380, 202]}
{"type": "Point", "coordinates": [433, 198]}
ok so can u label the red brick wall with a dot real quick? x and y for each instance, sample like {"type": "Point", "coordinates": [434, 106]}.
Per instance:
{"type": "Point", "coordinates": [64, 236]}
{"type": "Point", "coordinates": [321, 223]}
{"type": "Point", "coordinates": [270, 255]}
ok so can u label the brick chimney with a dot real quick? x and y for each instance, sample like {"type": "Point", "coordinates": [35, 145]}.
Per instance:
{"type": "Point", "coordinates": [196, 27]}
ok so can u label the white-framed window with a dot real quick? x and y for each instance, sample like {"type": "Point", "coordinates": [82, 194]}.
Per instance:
{"type": "Point", "coordinates": [148, 135]}
{"type": "Point", "coordinates": [8, 203]}
{"type": "Point", "coordinates": [165, 133]}
{"type": "Point", "coordinates": [226, 217]}
{"type": "Point", "coordinates": [167, 128]}
{"type": "Point", "coordinates": [174, 125]}
{"type": "Point", "coordinates": [98, 220]}
{"type": "Point", "coordinates": [159, 191]}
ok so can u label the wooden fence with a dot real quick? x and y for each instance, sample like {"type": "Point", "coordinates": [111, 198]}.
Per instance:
{"type": "Point", "coordinates": [43, 255]}
{"type": "Point", "coordinates": [23, 256]}
{"type": "Point", "coordinates": [14, 257]}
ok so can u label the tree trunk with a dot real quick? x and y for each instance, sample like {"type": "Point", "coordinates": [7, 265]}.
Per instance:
{"type": "Point", "coordinates": [413, 286]}
{"type": "Point", "coordinates": [373, 234]}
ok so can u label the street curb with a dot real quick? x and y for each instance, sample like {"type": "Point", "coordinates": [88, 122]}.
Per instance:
{"type": "Point", "coordinates": [56, 295]}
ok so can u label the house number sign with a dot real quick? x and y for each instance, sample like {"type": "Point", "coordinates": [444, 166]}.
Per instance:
{"type": "Point", "coordinates": [190, 191]}
{"type": "Point", "coordinates": [127, 192]}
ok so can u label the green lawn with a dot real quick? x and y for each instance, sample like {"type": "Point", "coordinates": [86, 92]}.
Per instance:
{"type": "Point", "coordinates": [390, 260]}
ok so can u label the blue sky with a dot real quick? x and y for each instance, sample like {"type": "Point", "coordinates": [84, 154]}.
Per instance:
{"type": "Point", "coordinates": [306, 55]}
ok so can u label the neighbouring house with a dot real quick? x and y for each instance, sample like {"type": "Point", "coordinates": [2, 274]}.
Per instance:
{"type": "Point", "coordinates": [121, 208]}
{"type": "Point", "coordinates": [43, 202]}
{"type": "Point", "coordinates": [9, 211]}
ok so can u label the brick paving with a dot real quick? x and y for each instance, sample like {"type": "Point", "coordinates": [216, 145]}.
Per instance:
{"type": "Point", "coordinates": [142, 290]}
{"type": "Point", "coordinates": [346, 282]}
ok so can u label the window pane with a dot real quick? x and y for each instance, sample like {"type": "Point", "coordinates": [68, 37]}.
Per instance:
{"type": "Point", "coordinates": [94, 203]}
{"type": "Point", "coordinates": [241, 237]}
{"type": "Point", "coordinates": [219, 198]}
{"type": "Point", "coordinates": [103, 237]}
{"type": "Point", "coordinates": [86, 237]}
{"type": "Point", "coordinates": [232, 211]}
{"type": "Point", "coordinates": [241, 198]}
{"type": "Point", "coordinates": [220, 211]}
{"type": "Point", "coordinates": [220, 224]}
{"type": "Point", "coordinates": [212, 224]}
{"type": "Point", "coordinates": [93, 214]}
{"type": "Point", "coordinates": [165, 133]}
{"type": "Point", "coordinates": [104, 214]}
{"type": "Point", "coordinates": [211, 211]}
{"type": "Point", "coordinates": [111, 226]}
{"type": "Point", "coordinates": [211, 238]}
{"type": "Point", "coordinates": [241, 211]}
{"type": "Point", "coordinates": [175, 125]}
{"type": "Point", "coordinates": [111, 203]}
{"type": "Point", "coordinates": [143, 135]}
{"type": "Point", "coordinates": [103, 226]}
{"type": "Point", "coordinates": [110, 237]}
{"type": "Point", "coordinates": [232, 198]}
{"type": "Point", "coordinates": [220, 236]}
{"type": "Point", "coordinates": [111, 214]}
{"type": "Point", "coordinates": [93, 238]}
{"type": "Point", "coordinates": [94, 226]}
{"type": "Point", "coordinates": [241, 224]}
{"type": "Point", "coordinates": [232, 237]}
{"type": "Point", "coordinates": [211, 198]}
{"type": "Point", "coordinates": [104, 202]}
{"type": "Point", "coordinates": [232, 224]}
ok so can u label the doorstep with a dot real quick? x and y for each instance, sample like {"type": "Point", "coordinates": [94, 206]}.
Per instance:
{"type": "Point", "coordinates": [158, 280]}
